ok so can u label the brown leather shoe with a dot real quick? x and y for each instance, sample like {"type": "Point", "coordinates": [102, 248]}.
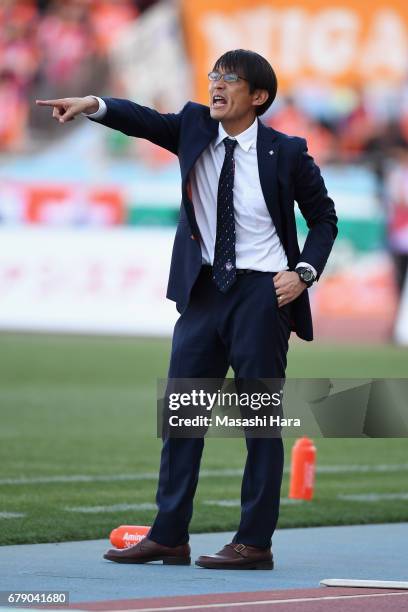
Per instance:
{"type": "Point", "coordinates": [146, 550]}
{"type": "Point", "coordinates": [238, 556]}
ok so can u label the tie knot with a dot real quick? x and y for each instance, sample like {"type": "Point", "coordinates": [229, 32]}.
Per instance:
{"type": "Point", "coordinates": [229, 145]}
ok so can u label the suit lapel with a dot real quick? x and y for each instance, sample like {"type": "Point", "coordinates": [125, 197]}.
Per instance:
{"type": "Point", "coordinates": [268, 149]}
{"type": "Point", "coordinates": [197, 142]}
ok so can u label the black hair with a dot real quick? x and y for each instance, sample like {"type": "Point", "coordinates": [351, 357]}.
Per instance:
{"type": "Point", "coordinates": [255, 69]}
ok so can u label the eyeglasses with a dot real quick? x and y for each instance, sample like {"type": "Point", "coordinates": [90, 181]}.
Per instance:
{"type": "Point", "coordinates": [230, 77]}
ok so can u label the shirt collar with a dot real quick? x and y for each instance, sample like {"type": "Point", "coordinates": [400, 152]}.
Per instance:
{"type": "Point", "coordinates": [246, 139]}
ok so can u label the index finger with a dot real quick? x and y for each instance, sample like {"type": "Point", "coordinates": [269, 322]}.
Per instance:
{"type": "Point", "coordinates": [49, 102]}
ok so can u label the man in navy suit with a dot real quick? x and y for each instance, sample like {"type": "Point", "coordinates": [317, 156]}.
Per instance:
{"type": "Point", "coordinates": [237, 276]}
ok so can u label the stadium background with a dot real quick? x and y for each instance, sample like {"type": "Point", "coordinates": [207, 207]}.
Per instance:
{"type": "Point", "coordinates": [85, 326]}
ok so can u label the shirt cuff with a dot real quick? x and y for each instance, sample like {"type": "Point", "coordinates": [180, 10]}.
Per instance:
{"type": "Point", "coordinates": [303, 264]}
{"type": "Point", "coordinates": [101, 112]}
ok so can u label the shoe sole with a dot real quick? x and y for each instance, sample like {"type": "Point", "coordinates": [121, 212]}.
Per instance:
{"type": "Point", "coordinates": [263, 565]}
{"type": "Point", "coordinates": [165, 560]}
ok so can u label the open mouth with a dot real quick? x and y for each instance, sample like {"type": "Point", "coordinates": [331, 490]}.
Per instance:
{"type": "Point", "coordinates": [218, 101]}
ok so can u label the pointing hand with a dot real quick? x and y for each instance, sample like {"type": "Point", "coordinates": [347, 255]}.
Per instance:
{"type": "Point", "coordinates": [66, 109]}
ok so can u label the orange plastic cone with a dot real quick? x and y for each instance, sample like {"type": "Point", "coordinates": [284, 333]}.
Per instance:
{"type": "Point", "coordinates": [302, 471]}
{"type": "Point", "coordinates": [128, 535]}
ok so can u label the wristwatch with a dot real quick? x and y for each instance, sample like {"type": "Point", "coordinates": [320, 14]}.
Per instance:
{"type": "Point", "coordinates": [306, 275]}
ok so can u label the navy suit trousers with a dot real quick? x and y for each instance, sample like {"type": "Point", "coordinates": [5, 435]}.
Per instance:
{"type": "Point", "coordinates": [243, 328]}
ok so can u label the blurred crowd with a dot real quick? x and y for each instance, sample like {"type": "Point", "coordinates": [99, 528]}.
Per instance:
{"type": "Point", "coordinates": [359, 129]}
{"type": "Point", "coordinates": [50, 47]}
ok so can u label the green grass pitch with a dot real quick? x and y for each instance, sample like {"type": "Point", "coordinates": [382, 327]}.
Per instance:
{"type": "Point", "coordinates": [80, 406]}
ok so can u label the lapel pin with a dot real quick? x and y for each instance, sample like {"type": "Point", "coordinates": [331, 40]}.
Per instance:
{"type": "Point", "coordinates": [271, 152]}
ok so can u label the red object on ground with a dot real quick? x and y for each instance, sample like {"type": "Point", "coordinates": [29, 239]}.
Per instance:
{"type": "Point", "coordinates": [303, 467]}
{"type": "Point", "coordinates": [128, 535]}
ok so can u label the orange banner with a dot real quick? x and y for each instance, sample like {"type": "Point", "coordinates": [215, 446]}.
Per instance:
{"type": "Point", "coordinates": [348, 43]}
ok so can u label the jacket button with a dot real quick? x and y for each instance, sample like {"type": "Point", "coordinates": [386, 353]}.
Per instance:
{"type": "Point", "coordinates": [192, 237]}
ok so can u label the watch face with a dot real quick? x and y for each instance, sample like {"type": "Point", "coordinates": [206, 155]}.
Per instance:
{"type": "Point", "coordinates": [307, 275]}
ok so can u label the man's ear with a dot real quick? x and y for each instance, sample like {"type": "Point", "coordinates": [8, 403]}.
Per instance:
{"type": "Point", "coordinates": [259, 97]}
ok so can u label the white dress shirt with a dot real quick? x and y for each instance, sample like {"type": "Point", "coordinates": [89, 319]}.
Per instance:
{"type": "Point", "coordinates": [257, 245]}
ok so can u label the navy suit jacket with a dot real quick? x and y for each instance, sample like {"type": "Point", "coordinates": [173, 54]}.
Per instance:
{"type": "Point", "coordinates": [287, 175]}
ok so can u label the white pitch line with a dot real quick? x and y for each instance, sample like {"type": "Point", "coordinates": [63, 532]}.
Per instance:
{"type": "Point", "coordinates": [60, 479]}
{"type": "Point", "coordinates": [367, 584]}
{"type": "Point", "coordinates": [11, 515]}
{"type": "Point", "coordinates": [108, 477]}
{"type": "Point", "coordinates": [264, 602]}
{"type": "Point", "coordinates": [234, 503]}
{"type": "Point", "coordinates": [223, 503]}
{"type": "Point", "coordinates": [322, 469]}
{"type": "Point", "coordinates": [359, 468]}
{"type": "Point", "coordinates": [226, 503]}
{"type": "Point", "coordinates": [114, 508]}
{"type": "Point", "coordinates": [373, 497]}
